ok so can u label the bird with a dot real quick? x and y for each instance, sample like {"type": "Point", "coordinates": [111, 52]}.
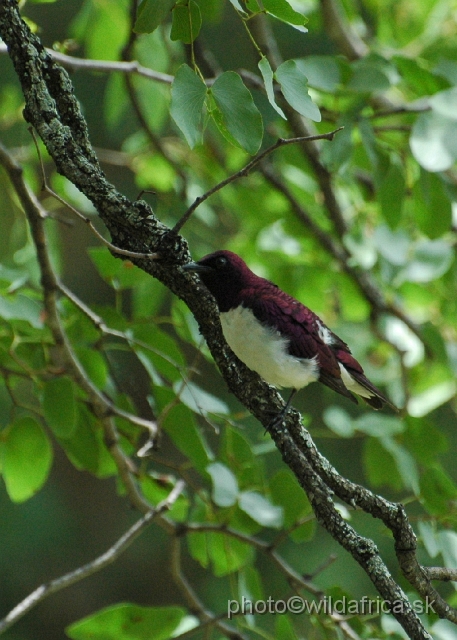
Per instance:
{"type": "Point", "coordinates": [277, 336]}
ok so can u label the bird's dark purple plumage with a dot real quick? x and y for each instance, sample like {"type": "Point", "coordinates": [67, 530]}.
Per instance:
{"type": "Point", "coordinates": [234, 285]}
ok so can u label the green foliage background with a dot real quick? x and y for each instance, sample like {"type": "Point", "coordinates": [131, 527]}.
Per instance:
{"type": "Point", "coordinates": [394, 178]}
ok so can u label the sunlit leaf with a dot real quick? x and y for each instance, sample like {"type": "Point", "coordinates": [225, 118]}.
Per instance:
{"type": "Point", "coordinates": [423, 403]}
{"type": "Point", "coordinates": [260, 509]}
{"type": "Point", "coordinates": [429, 538]}
{"type": "Point", "coordinates": [128, 621]}
{"type": "Point", "coordinates": [430, 260]}
{"type": "Point", "coordinates": [294, 86]}
{"type": "Point", "coordinates": [339, 421]}
{"type": "Point", "coordinates": [282, 10]}
{"type": "Point", "coordinates": [378, 425]}
{"type": "Point", "coordinates": [225, 485]}
{"type": "Point", "coordinates": [434, 141]}
{"type": "Point", "coordinates": [199, 400]}
{"type": "Point", "coordinates": [448, 544]}
{"type": "Point", "coordinates": [228, 554]}
{"type": "Point", "coordinates": [267, 75]}
{"type": "Point", "coordinates": [27, 458]}
{"type": "Point", "coordinates": [21, 307]}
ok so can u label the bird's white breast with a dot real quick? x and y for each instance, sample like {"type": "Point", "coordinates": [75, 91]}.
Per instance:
{"type": "Point", "coordinates": [264, 350]}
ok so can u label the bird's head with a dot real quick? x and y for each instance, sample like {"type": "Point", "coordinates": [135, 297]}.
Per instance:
{"type": "Point", "coordinates": [225, 274]}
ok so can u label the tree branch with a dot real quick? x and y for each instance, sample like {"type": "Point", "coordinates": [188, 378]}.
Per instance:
{"type": "Point", "coordinates": [242, 173]}
{"type": "Point", "coordinates": [108, 557]}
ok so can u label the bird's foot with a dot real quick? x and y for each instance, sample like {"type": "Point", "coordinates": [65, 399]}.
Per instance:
{"type": "Point", "coordinates": [279, 417]}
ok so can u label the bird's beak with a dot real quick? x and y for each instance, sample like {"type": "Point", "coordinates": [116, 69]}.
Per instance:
{"type": "Point", "coordinates": [197, 268]}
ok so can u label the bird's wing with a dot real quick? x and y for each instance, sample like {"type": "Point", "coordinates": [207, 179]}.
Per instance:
{"type": "Point", "coordinates": [305, 331]}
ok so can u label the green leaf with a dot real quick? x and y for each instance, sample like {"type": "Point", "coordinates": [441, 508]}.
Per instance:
{"type": "Point", "coordinates": [27, 458]}
{"type": "Point", "coordinates": [198, 548]}
{"type": "Point", "coordinates": [260, 509]}
{"type": "Point", "coordinates": [286, 492]}
{"type": "Point", "coordinates": [122, 274]}
{"type": "Point", "coordinates": [445, 103]}
{"type": "Point", "coordinates": [199, 400]}
{"type": "Point", "coordinates": [380, 466]}
{"type": "Point", "coordinates": [438, 490]}
{"type": "Point", "coordinates": [284, 628]}
{"type": "Point", "coordinates": [433, 141]}
{"type": "Point", "coordinates": [434, 213]}
{"type": "Point", "coordinates": [83, 448]}
{"type": "Point", "coordinates": [431, 259]}
{"type": "Point", "coordinates": [339, 421]}
{"type": "Point", "coordinates": [405, 462]}
{"type": "Point", "coordinates": [228, 554]}
{"type": "Point", "coordinates": [427, 532]}
{"type": "Point", "coordinates": [391, 192]}
{"type": "Point", "coordinates": [368, 78]}
{"type": "Point", "coordinates": [180, 425]}
{"type": "Point", "coordinates": [378, 425]}
{"type": "Point", "coordinates": [187, 22]}
{"type": "Point", "coordinates": [236, 452]}
{"type": "Point", "coordinates": [94, 364]}
{"type": "Point", "coordinates": [21, 307]}
{"type": "Point", "coordinates": [250, 585]}
{"type": "Point", "coordinates": [267, 75]}
{"type": "Point", "coordinates": [282, 10]}
{"type": "Point", "coordinates": [424, 440]}
{"type": "Point", "coordinates": [59, 406]}
{"type": "Point", "coordinates": [294, 87]}
{"type": "Point", "coordinates": [239, 113]}
{"type": "Point", "coordinates": [427, 401]}
{"type": "Point", "coordinates": [163, 356]}
{"type": "Point", "coordinates": [322, 72]}
{"type": "Point", "coordinates": [128, 621]}
{"type": "Point", "coordinates": [157, 488]}
{"type": "Point", "coordinates": [225, 484]}
{"type": "Point", "coordinates": [448, 544]}
{"type": "Point", "coordinates": [339, 152]}
{"type": "Point", "coordinates": [415, 72]}
{"type": "Point", "coordinates": [394, 246]}
{"type": "Point", "coordinates": [151, 13]}
{"type": "Point", "coordinates": [237, 6]}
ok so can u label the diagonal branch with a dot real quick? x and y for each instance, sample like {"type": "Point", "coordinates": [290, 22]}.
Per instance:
{"type": "Point", "coordinates": [107, 558]}
{"type": "Point", "coordinates": [242, 173]}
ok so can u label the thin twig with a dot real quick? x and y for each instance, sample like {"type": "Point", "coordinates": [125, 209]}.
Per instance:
{"type": "Point", "coordinates": [74, 63]}
{"type": "Point", "coordinates": [45, 187]}
{"type": "Point", "coordinates": [108, 557]}
{"type": "Point", "coordinates": [192, 599]}
{"type": "Point", "coordinates": [441, 573]}
{"type": "Point", "coordinates": [281, 142]}
{"type": "Point", "coordinates": [103, 406]}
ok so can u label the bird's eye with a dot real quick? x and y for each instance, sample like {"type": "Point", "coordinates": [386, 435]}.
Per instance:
{"type": "Point", "coordinates": [221, 262]}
